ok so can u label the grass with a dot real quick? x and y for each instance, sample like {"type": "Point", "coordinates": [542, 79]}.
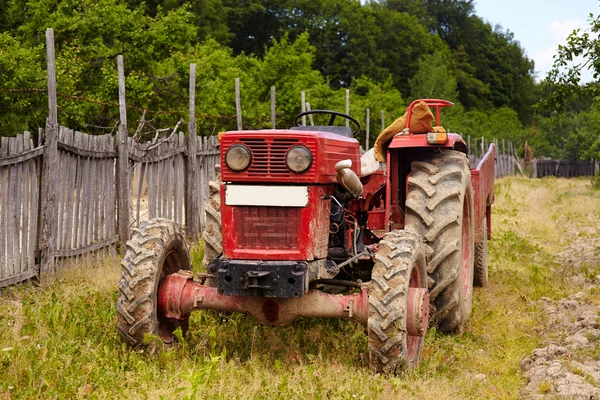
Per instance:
{"type": "Point", "coordinates": [58, 340]}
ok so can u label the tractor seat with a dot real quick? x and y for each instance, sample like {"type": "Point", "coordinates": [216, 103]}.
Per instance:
{"type": "Point", "coordinates": [338, 130]}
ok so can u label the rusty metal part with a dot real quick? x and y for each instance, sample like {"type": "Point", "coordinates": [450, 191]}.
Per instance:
{"type": "Point", "coordinates": [340, 282]}
{"type": "Point", "coordinates": [418, 311]}
{"type": "Point", "coordinates": [178, 295]}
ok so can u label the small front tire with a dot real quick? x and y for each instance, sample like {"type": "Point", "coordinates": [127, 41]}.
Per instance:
{"type": "Point", "coordinates": [155, 250]}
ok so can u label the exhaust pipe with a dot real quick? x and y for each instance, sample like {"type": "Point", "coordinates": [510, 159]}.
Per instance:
{"type": "Point", "coordinates": [347, 178]}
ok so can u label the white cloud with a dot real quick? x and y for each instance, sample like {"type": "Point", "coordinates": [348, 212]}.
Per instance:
{"type": "Point", "coordinates": [557, 33]}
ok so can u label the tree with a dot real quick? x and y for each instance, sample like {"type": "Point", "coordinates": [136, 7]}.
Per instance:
{"type": "Point", "coordinates": [563, 82]}
{"type": "Point", "coordinates": [435, 78]}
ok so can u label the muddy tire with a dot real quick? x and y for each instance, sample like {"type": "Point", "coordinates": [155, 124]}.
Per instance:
{"type": "Point", "coordinates": [212, 236]}
{"type": "Point", "coordinates": [157, 249]}
{"type": "Point", "coordinates": [399, 264]}
{"type": "Point", "coordinates": [439, 207]}
{"type": "Point", "coordinates": [481, 257]}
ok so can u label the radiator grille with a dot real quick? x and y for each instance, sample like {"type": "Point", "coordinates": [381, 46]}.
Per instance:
{"type": "Point", "coordinates": [268, 159]}
{"type": "Point", "coordinates": [272, 228]}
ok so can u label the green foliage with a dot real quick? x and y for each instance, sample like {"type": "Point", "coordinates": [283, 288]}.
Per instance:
{"type": "Point", "coordinates": [564, 80]}
{"type": "Point", "coordinates": [434, 78]}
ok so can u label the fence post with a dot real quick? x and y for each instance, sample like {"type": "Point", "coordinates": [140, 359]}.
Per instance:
{"type": "Point", "coordinates": [47, 238]}
{"type": "Point", "coordinates": [191, 197]}
{"type": "Point", "coordinates": [347, 106]}
{"type": "Point", "coordinates": [238, 104]}
{"type": "Point", "coordinates": [273, 107]}
{"type": "Point", "coordinates": [123, 191]}
{"type": "Point", "coordinates": [382, 120]}
{"type": "Point", "coordinates": [303, 106]}
{"type": "Point", "coordinates": [367, 130]}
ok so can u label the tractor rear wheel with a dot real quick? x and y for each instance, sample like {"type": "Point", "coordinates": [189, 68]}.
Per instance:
{"type": "Point", "coordinates": [481, 257]}
{"type": "Point", "coordinates": [157, 249]}
{"type": "Point", "coordinates": [439, 207]}
{"type": "Point", "coordinates": [399, 266]}
{"type": "Point", "coordinates": [212, 236]}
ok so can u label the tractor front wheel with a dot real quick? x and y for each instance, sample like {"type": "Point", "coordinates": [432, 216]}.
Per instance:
{"type": "Point", "coordinates": [155, 250]}
{"type": "Point", "coordinates": [398, 293]}
{"type": "Point", "coordinates": [212, 235]}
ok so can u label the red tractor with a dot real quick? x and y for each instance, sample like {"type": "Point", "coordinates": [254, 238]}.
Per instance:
{"type": "Point", "coordinates": [293, 230]}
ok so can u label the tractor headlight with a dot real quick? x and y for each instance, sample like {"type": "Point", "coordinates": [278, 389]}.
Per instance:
{"type": "Point", "coordinates": [238, 157]}
{"type": "Point", "coordinates": [298, 159]}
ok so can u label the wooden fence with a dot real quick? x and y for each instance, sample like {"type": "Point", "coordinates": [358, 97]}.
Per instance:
{"type": "Point", "coordinates": [20, 163]}
{"type": "Point", "coordinates": [159, 177]}
{"type": "Point", "coordinates": [562, 168]}
{"type": "Point", "coordinates": [86, 213]}
{"type": "Point", "coordinates": [506, 162]}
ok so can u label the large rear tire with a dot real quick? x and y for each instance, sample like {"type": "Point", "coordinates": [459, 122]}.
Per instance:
{"type": "Point", "coordinates": [212, 234]}
{"type": "Point", "coordinates": [157, 249]}
{"type": "Point", "coordinates": [480, 278]}
{"type": "Point", "coordinates": [439, 207]}
{"type": "Point", "coordinates": [399, 265]}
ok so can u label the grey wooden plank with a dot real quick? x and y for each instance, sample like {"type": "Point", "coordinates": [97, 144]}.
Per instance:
{"type": "Point", "coordinates": [71, 172]}
{"type": "Point", "coordinates": [124, 191]}
{"type": "Point", "coordinates": [85, 194]}
{"type": "Point", "coordinates": [77, 140]}
{"type": "Point", "coordinates": [4, 174]}
{"type": "Point", "coordinates": [26, 199]}
{"type": "Point", "coordinates": [35, 210]}
{"type": "Point", "coordinates": [151, 191]}
{"type": "Point", "coordinates": [49, 173]}
{"type": "Point", "coordinates": [11, 210]}
{"type": "Point", "coordinates": [159, 183]}
{"type": "Point", "coordinates": [88, 249]}
{"type": "Point", "coordinates": [104, 190]}
{"type": "Point", "coordinates": [112, 223]}
{"type": "Point", "coordinates": [19, 158]}
{"type": "Point", "coordinates": [60, 192]}
{"type": "Point", "coordinates": [140, 193]}
{"type": "Point", "coordinates": [169, 186]}
{"type": "Point", "coordinates": [18, 278]}
{"type": "Point", "coordinates": [179, 181]}
{"type": "Point", "coordinates": [18, 206]}
{"type": "Point", "coordinates": [95, 192]}
{"type": "Point", "coordinates": [3, 219]}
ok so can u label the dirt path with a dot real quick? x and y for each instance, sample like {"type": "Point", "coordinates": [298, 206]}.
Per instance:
{"type": "Point", "coordinates": [568, 364]}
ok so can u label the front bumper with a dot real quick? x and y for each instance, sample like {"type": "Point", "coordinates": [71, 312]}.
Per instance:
{"type": "Point", "coordinates": [280, 279]}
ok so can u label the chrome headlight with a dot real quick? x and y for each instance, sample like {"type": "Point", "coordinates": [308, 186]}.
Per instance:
{"type": "Point", "coordinates": [298, 159]}
{"type": "Point", "coordinates": [238, 157]}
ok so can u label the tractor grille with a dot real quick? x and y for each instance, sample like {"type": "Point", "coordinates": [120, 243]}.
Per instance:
{"type": "Point", "coordinates": [268, 159]}
{"type": "Point", "coordinates": [269, 228]}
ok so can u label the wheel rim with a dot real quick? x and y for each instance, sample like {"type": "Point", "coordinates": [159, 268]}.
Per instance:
{"type": "Point", "coordinates": [414, 343]}
{"type": "Point", "coordinates": [466, 249]}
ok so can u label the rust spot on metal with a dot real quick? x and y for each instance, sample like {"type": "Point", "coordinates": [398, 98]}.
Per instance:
{"type": "Point", "coordinates": [270, 310]}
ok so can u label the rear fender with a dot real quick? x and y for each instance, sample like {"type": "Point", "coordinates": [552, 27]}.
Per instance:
{"type": "Point", "coordinates": [482, 179]}
{"type": "Point", "coordinates": [455, 142]}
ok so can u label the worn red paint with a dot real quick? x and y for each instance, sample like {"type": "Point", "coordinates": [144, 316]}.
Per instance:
{"type": "Point", "coordinates": [179, 295]}
{"type": "Point", "coordinates": [482, 179]}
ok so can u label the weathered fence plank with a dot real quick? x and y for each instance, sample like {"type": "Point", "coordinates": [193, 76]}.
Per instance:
{"type": "Point", "coordinates": [49, 172]}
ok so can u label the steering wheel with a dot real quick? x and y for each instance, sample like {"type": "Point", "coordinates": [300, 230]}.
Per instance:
{"type": "Point", "coordinates": [331, 120]}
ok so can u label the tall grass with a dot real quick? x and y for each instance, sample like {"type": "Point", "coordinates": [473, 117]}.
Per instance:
{"type": "Point", "coordinates": [58, 340]}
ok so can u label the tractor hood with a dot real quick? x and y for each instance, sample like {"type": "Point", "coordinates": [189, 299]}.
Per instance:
{"type": "Point", "coordinates": [269, 148]}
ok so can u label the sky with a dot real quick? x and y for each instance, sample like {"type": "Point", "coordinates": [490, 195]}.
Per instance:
{"type": "Point", "coordinates": [539, 25]}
